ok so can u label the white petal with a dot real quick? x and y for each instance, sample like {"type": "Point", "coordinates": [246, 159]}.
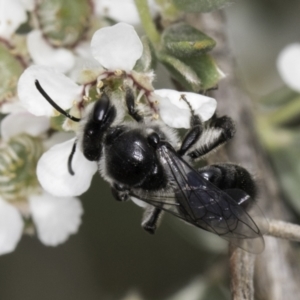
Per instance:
{"type": "Point", "coordinates": [12, 107]}
{"type": "Point", "coordinates": [11, 227]}
{"type": "Point", "coordinates": [55, 218]}
{"type": "Point", "coordinates": [43, 54]}
{"type": "Point", "coordinates": [175, 112]}
{"type": "Point", "coordinates": [53, 174]}
{"type": "Point", "coordinates": [12, 15]}
{"type": "Point", "coordinates": [23, 122]}
{"type": "Point", "coordinates": [86, 68]}
{"type": "Point", "coordinates": [288, 64]}
{"type": "Point", "coordinates": [29, 4]}
{"type": "Point", "coordinates": [117, 47]}
{"type": "Point", "coordinates": [57, 138]}
{"type": "Point", "coordinates": [59, 87]}
{"type": "Point", "coordinates": [121, 11]}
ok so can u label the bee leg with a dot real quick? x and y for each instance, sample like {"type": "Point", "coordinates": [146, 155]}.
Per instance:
{"type": "Point", "coordinates": [151, 218]}
{"type": "Point", "coordinates": [193, 135]}
{"type": "Point", "coordinates": [217, 132]}
{"type": "Point", "coordinates": [119, 192]}
{"type": "Point", "coordinates": [130, 102]}
{"type": "Point", "coordinates": [232, 179]}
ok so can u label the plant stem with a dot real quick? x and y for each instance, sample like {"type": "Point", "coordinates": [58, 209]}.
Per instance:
{"type": "Point", "coordinates": [285, 113]}
{"type": "Point", "coordinates": [284, 230]}
{"type": "Point", "coordinates": [147, 22]}
{"type": "Point", "coordinates": [241, 271]}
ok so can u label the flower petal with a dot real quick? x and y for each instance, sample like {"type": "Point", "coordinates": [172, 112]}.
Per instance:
{"type": "Point", "coordinates": [288, 64]}
{"type": "Point", "coordinates": [29, 4]}
{"type": "Point", "coordinates": [117, 47]}
{"type": "Point", "coordinates": [59, 87]}
{"type": "Point", "coordinates": [53, 174]}
{"type": "Point", "coordinates": [12, 107]}
{"type": "Point", "coordinates": [23, 122]}
{"type": "Point", "coordinates": [175, 112]}
{"type": "Point", "coordinates": [55, 218]}
{"type": "Point", "coordinates": [121, 11]}
{"type": "Point", "coordinates": [43, 54]}
{"type": "Point", "coordinates": [86, 68]}
{"type": "Point", "coordinates": [12, 15]}
{"type": "Point", "coordinates": [11, 227]}
{"type": "Point", "coordinates": [57, 138]}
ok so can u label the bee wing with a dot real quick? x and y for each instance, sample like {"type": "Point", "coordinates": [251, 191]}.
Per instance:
{"type": "Point", "coordinates": [202, 204]}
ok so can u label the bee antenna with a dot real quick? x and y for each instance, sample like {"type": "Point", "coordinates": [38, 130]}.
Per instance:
{"type": "Point", "coordinates": [70, 169]}
{"type": "Point", "coordinates": [58, 108]}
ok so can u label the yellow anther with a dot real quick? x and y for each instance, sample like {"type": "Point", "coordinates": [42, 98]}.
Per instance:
{"type": "Point", "coordinates": [100, 84]}
{"type": "Point", "coordinates": [86, 98]}
{"type": "Point", "coordinates": [118, 72]}
{"type": "Point", "coordinates": [155, 116]}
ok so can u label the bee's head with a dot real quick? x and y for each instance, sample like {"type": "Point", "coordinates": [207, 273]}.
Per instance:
{"type": "Point", "coordinates": [98, 116]}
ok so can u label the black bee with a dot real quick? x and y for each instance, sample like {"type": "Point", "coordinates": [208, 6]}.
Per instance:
{"type": "Point", "coordinates": [142, 160]}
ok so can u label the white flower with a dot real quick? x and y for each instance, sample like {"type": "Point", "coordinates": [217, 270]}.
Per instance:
{"type": "Point", "coordinates": [55, 219]}
{"type": "Point", "coordinates": [117, 47]}
{"type": "Point", "coordinates": [12, 15]}
{"type": "Point", "coordinates": [288, 64]}
{"type": "Point", "coordinates": [121, 11]}
{"type": "Point", "coordinates": [11, 227]}
{"type": "Point", "coordinates": [53, 174]}
{"type": "Point", "coordinates": [176, 113]}
{"type": "Point", "coordinates": [23, 122]}
{"type": "Point", "coordinates": [42, 53]}
{"type": "Point", "coordinates": [61, 89]}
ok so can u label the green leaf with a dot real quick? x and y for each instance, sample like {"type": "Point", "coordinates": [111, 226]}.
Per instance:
{"type": "Point", "coordinates": [168, 10]}
{"type": "Point", "coordinates": [181, 72]}
{"type": "Point", "coordinates": [148, 60]}
{"type": "Point", "coordinates": [278, 98]}
{"type": "Point", "coordinates": [183, 40]}
{"type": "Point", "coordinates": [10, 70]}
{"type": "Point", "coordinates": [196, 74]}
{"type": "Point", "coordinates": [64, 22]}
{"type": "Point", "coordinates": [195, 6]}
{"type": "Point", "coordinates": [286, 114]}
{"type": "Point", "coordinates": [206, 69]}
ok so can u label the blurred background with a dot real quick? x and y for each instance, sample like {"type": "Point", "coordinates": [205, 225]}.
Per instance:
{"type": "Point", "coordinates": [112, 257]}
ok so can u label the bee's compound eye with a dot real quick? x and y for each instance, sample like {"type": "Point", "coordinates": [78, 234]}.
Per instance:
{"type": "Point", "coordinates": [101, 108]}
{"type": "Point", "coordinates": [153, 139]}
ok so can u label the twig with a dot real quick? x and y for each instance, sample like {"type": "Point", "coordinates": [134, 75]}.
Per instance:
{"type": "Point", "coordinates": [284, 230]}
{"type": "Point", "coordinates": [241, 271]}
